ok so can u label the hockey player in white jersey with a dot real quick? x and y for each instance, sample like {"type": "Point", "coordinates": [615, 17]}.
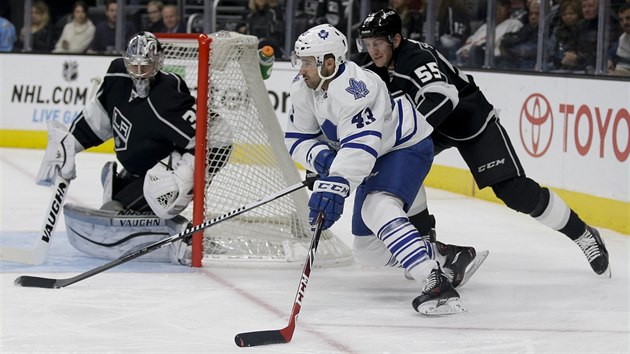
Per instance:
{"type": "Point", "coordinates": [345, 125]}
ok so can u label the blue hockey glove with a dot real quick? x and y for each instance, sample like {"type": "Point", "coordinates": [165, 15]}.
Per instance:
{"type": "Point", "coordinates": [329, 194]}
{"type": "Point", "coordinates": [323, 160]}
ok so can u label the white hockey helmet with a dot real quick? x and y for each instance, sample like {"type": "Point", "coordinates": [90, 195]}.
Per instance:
{"type": "Point", "coordinates": [319, 41]}
{"type": "Point", "coordinates": [143, 56]}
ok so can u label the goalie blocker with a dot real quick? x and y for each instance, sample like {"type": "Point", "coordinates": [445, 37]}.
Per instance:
{"type": "Point", "coordinates": [111, 234]}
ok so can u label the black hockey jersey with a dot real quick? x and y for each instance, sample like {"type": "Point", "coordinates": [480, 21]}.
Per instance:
{"type": "Point", "coordinates": [145, 130]}
{"type": "Point", "coordinates": [449, 99]}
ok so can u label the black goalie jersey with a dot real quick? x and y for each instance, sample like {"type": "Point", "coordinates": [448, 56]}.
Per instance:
{"type": "Point", "coordinates": [449, 99]}
{"type": "Point", "coordinates": [145, 130]}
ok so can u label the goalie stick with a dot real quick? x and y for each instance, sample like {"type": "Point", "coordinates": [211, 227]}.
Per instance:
{"type": "Point", "coordinates": [38, 254]}
{"type": "Point", "coordinates": [279, 336]}
{"type": "Point", "coordinates": [50, 283]}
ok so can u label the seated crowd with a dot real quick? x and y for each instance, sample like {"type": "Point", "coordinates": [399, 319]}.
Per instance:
{"type": "Point", "coordinates": [459, 32]}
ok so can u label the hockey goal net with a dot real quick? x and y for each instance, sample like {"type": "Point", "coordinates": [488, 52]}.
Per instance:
{"type": "Point", "coordinates": [237, 127]}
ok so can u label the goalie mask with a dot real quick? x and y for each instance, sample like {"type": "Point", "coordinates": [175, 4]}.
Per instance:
{"type": "Point", "coordinates": [318, 42]}
{"type": "Point", "coordinates": [381, 23]}
{"type": "Point", "coordinates": [143, 58]}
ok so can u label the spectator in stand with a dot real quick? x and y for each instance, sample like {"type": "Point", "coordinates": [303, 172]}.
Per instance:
{"type": "Point", "coordinates": [519, 10]}
{"type": "Point", "coordinates": [335, 13]}
{"type": "Point", "coordinates": [619, 62]}
{"type": "Point", "coordinates": [582, 56]}
{"type": "Point", "coordinates": [78, 33]}
{"type": "Point", "coordinates": [454, 27]}
{"type": "Point", "coordinates": [476, 10]}
{"type": "Point", "coordinates": [7, 35]}
{"type": "Point", "coordinates": [305, 14]}
{"type": "Point", "coordinates": [411, 19]}
{"type": "Point", "coordinates": [154, 11]}
{"type": "Point", "coordinates": [42, 32]}
{"type": "Point", "coordinates": [105, 35]}
{"type": "Point", "coordinates": [565, 33]}
{"type": "Point", "coordinates": [265, 22]}
{"type": "Point", "coordinates": [472, 52]}
{"type": "Point", "coordinates": [5, 10]}
{"type": "Point", "coordinates": [519, 49]}
{"type": "Point", "coordinates": [171, 20]}
{"type": "Point", "coordinates": [329, 11]}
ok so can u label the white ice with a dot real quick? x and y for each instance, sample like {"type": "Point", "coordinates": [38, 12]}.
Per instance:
{"type": "Point", "coordinates": [535, 293]}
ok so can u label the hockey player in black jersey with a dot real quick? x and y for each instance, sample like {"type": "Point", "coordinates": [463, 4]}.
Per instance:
{"type": "Point", "coordinates": [463, 118]}
{"type": "Point", "coordinates": [151, 116]}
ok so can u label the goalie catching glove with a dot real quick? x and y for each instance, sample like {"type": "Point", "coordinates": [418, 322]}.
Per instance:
{"type": "Point", "coordinates": [168, 186]}
{"type": "Point", "coordinates": [329, 195]}
{"type": "Point", "coordinates": [59, 156]}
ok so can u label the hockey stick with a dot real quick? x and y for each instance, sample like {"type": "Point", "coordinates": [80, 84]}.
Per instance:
{"type": "Point", "coordinates": [37, 282]}
{"type": "Point", "coordinates": [38, 254]}
{"type": "Point", "coordinates": [279, 336]}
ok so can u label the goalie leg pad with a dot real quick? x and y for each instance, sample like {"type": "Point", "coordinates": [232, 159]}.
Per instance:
{"type": "Point", "coordinates": [108, 175]}
{"type": "Point", "coordinates": [111, 234]}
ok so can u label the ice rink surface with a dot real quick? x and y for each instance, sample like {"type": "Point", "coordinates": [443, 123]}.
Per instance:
{"type": "Point", "coordinates": [534, 294]}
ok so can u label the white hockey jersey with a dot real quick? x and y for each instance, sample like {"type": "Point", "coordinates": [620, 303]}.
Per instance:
{"type": "Point", "coordinates": [357, 117]}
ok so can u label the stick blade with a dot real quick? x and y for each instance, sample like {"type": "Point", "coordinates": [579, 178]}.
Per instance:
{"type": "Point", "coordinates": [252, 339]}
{"type": "Point", "coordinates": [35, 256]}
{"type": "Point", "coordinates": [36, 282]}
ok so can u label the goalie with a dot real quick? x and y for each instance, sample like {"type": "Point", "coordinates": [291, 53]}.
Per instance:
{"type": "Point", "coordinates": [151, 115]}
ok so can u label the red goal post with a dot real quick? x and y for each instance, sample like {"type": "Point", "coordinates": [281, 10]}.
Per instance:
{"type": "Point", "coordinates": [200, 144]}
{"type": "Point", "coordinates": [237, 128]}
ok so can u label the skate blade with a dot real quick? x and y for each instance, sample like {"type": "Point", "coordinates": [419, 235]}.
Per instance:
{"type": "Point", "coordinates": [473, 266]}
{"type": "Point", "coordinates": [452, 306]}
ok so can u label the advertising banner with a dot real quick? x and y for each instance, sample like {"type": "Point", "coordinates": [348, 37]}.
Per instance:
{"type": "Point", "coordinates": [39, 88]}
{"type": "Point", "coordinates": [569, 133]}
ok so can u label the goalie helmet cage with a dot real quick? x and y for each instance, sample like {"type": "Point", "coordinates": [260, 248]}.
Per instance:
{"type": "Point", "coordinates": [237, 123]}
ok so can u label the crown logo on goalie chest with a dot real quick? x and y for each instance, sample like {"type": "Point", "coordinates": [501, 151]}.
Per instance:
{"type": "Point", "coordinates": [122, 129]}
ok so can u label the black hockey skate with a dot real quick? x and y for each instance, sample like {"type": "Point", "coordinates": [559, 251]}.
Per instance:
{"type": "Point", "coordinates": [595, 251]}
{"type": "Point", "coordinates": [460, 262]}
{"type": "Point", "coordinates": [438, 297]}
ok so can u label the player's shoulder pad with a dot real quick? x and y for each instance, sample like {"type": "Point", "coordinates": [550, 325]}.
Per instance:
{"type": "Point", "coordinates": [412, 53]}
{"type": "Point", "coordinates": [117, 66]}
{"type": "Point", "coordinates": [171, 83]}
{"type": "Point", "coordinates": [169, 92]}
{"type": "Point", "coordinates": [352, 83]}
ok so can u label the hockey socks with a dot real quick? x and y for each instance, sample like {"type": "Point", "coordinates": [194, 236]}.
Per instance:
{"type": "Point", "coordinates": [556, 214]}
{"type": "Point", "coordinates": [403, 241]}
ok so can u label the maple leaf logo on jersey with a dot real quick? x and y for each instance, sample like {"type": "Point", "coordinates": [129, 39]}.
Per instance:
{"type": "Point", "coordinates": [357, 88]}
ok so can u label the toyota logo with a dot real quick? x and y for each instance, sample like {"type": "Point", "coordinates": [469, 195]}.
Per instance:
{"type": "Point", "coordinates": [536, 125]}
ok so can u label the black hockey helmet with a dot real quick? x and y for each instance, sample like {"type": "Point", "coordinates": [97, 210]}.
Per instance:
{"type": "Point", "coordinates": [384, 22]}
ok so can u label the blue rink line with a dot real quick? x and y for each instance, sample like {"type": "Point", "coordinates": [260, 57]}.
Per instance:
{"type": "Point", "coordinates": [63, 258]}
